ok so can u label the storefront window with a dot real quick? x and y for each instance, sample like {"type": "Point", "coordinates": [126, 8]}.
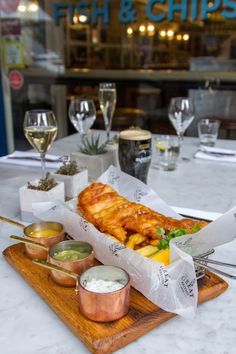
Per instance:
{"type": "Point", "coordinates": [52, 50]}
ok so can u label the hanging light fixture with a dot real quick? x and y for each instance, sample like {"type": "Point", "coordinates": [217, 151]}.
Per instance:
{"type": "Point", "coordinates": [162, 33]}
{"type": "Point", "coordinates": [83, 18]}
{"type": "Point", "coordinates": [22, 7]}
{"type": "Point", "coordinates": [170, 33]}
{"type": "Point", "coordinates": [129, 31]}
{"type": "Point", "coordinates": [186, 37]}
{"type": "Point", "coordinates": [142, 28]}
{"type": "Point", "coordinates": [33, 6]}
{"type": "Point", "coordinates": [151, 28]}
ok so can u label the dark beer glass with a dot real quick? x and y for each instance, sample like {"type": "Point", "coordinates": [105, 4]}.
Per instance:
{"type": "Point", "coordinates": [135, 152]}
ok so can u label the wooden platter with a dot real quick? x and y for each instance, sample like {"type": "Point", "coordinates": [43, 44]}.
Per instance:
{"type": "Point", "coordinates": [100, 338]}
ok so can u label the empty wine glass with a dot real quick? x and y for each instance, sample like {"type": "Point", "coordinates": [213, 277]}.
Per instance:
{"type": "Point", "coordinates": [181, 114]}
{"type": "Point", "coordinates": [107, 101]}
{"type": "Point", "coordinates": [40, 128]}
{"type": "Point", "coordinates": [82, 114]}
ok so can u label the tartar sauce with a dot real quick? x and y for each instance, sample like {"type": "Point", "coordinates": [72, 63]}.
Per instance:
{"type": "Point", "coordinates": [103, 286]}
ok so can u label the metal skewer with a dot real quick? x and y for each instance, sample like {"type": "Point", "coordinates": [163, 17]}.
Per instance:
{"type": "Point", "coordinates": [203, 263]}
{"type": "Point", "coordinates": [212, 261]}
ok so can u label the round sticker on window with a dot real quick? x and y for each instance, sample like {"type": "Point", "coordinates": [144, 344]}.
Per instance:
{"type": "Point", "coordinates": [16, 79]}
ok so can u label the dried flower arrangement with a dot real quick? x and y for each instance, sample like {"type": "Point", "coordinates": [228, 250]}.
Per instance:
{"type": "Point", "coordinates": [68, 168]}
{"type": "Point", "coordinates": [44, 184]}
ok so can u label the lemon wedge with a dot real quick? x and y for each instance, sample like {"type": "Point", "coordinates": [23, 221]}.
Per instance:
{"type": "Point", "coordinates": [161, 145]}
{"type": "Point", "coordinates": [162, 256]}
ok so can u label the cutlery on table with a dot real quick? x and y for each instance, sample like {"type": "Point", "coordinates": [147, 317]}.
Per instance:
{"type": "Point", "coordinates": [47, 159]}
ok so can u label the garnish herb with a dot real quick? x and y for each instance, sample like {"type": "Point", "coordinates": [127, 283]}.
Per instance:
{"type": "Point", "coordinates": [164, 243]}
{"type": "Point", "coordinates": [196, 228]}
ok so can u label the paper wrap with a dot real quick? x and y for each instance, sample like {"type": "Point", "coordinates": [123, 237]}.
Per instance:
{"type": "Point", "coordinates": [173, 288]}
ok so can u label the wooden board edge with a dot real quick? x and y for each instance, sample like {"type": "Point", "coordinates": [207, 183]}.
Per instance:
{"type": "Point", "coordinates": [108, 345]}
{"type": "Point", "coordinates": [111, 344]}
{"type": "Point", "coordinates": [215, 291]}
{"type": "Point", "coordinates": [105, 345]}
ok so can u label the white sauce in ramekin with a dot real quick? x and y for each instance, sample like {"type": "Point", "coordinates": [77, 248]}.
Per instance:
{"type": "Point", "coordinates": [103, 286]}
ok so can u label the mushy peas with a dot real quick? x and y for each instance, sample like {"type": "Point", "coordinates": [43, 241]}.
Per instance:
{"type": "Point", "coordinates": [70, 255]}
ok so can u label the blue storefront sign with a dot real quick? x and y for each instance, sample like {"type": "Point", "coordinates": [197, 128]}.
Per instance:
{"type": "Point", "coordinates": [187, 9]}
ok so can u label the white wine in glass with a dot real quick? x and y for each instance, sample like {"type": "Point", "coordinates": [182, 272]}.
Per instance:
{"type": "Point", "coordinates": [181, 114]}
{"type": "Point", "coordinates": [107, 101]}
{"type": "Point", "coordinates": [40, 128]}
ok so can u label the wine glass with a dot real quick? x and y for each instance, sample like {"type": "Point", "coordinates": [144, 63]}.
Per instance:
{"type": "Point", "coordinates": [40, 128]}
{"type": "Point", "coordinates": [82, 114]}
{"type": "Point", "coordinates": [181, 114]}
{"type": "Point", "coordinates": [107, 101]}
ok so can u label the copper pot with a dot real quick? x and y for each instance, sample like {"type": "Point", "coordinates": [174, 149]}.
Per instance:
{"type": "Point", "coordinates": [77, 266]}
{"type": "Point", "coordinates": [97, 306]}
{"type": "Point", "coordinates": [48, 241]}
{"type": "Point", "coordinates": [104, 306]}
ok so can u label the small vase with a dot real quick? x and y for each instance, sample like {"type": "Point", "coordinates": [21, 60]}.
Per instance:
{"type": "Point", "coordinates": [96, 164]}
{"type": "Point", "coordinates": [73, 184]}
{"type": "Point", "coordinates": [29, 196]}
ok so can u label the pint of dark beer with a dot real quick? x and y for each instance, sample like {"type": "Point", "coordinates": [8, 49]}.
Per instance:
{"type": "Point", "coordinates": [135, 152]}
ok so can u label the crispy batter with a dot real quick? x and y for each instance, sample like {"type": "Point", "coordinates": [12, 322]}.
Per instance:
{"type": "Point", "coordinates": [112, 213]}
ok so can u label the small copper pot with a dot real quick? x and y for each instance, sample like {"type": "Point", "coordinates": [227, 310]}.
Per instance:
{"type": "Point", "coordinates": [97, 306]}
{"type": "Point", "coordinates": [77, 266]}
{"type": "Point", "coordinates": [49, 241]}
{"type": "Point", "coordinates": [104, 307]}
{"type": "Point", "coordinates": [31, 250]}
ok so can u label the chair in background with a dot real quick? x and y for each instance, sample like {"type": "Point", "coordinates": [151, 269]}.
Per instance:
{"type": "Point", "coordinates": [123, 119]}
{"type": "Point", "coordinates": [229, 127]}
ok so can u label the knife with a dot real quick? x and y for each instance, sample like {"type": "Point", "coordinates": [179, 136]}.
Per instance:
{"type": "Point", "coordinates": [33, 158]}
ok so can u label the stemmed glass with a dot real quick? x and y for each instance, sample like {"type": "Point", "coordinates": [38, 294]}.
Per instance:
{"type": "Point", "coordinates": [107, 101]}
{"type": "Point", "coordinates": [181, 114]}
{"type": "Point", "coordinates": [40, 128]}
{"type": "Point", "coordinates": [82, 114]}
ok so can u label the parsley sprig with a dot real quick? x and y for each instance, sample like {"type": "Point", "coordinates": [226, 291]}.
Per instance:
{"type": "Point", "coordinates": [164, 243]}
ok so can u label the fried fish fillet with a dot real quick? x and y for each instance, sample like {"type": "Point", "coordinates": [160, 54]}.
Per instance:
{"type": "Point", "coordinates": [101, 205]}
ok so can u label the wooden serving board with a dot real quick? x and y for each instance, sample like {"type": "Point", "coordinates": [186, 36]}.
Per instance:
{"type": "Point", "coordinates": [101, 338]}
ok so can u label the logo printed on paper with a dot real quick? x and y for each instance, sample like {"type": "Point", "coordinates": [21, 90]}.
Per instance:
{"type": "Point", "coordinates": [187, 285]}
{"type": "Point", "coordinates": [112, 178]}
{"type": "Point", "coordinates": [163, 276]}
{"type": "Point", "coordinates": [139, 194]}
{"type": "Point", "coordinates": [84, 224]}
{"type": "Point", "coordinates": [184, 243]}
{"type": "Point", "coordinates": [115, 248]}
{"type": "Point", "coordinates": [53, 208]}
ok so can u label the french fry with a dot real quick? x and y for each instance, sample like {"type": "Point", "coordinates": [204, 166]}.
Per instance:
{"type": "Point", "coordinates": [134, 240]}
{"type": "Point", "coordinates": [147, 251]}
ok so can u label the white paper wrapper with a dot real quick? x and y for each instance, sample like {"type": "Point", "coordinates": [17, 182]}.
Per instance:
{"type": "Point", "coordinates": [173, 288]}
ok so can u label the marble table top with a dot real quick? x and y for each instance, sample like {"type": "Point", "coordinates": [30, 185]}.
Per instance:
{"type": "Point", "coordinates": [29, 326]}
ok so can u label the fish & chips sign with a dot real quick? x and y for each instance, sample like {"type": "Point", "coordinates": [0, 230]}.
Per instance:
{"type": "Point", "coordinates": [193, 9]}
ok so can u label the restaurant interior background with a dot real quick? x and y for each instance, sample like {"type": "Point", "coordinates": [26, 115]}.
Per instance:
{"type": "Point", "coordinates": [45, 63]}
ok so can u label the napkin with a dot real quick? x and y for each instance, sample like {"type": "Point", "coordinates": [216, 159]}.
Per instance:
{"type": "Point", "coordinates": [215, 154]}
{"type": "Point", "coordinates": [25, 158]}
